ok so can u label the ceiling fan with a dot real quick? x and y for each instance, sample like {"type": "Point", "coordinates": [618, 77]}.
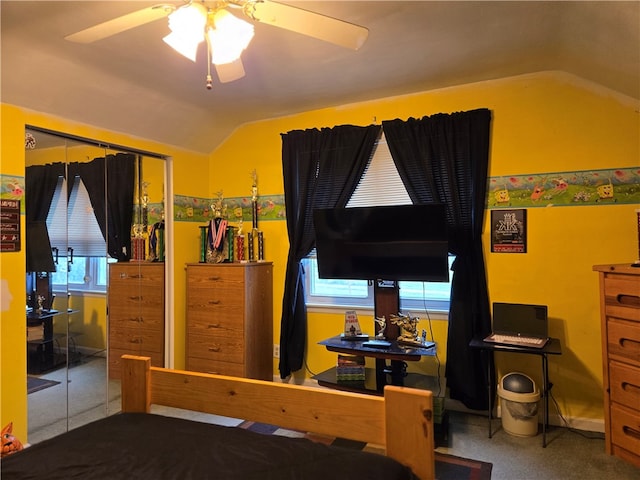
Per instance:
{"type": "Point", "coordinates": [225, 34]}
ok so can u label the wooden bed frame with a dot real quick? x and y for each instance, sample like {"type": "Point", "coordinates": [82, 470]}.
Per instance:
{"type": "Point", "coordinates": [401, 421]}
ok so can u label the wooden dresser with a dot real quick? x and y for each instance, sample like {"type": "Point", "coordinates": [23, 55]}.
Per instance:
{"type": "Point", "coordinates": [620, 313]}
{"type": "Point", "coordinates": [230, 319]}
{"type": "Point", "coordinates": [136, 312]}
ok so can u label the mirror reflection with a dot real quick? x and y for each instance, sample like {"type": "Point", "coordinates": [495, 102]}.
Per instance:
{"type": "Point", "coordinates": [89, 211]}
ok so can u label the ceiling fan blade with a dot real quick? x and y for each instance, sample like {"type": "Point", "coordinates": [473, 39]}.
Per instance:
{"type": "Point", "coordinates": [309, 23]}
{"type": "Point", "coordinates": [228, 72]}
{"type": "Point", "coordinates": [120, 24]}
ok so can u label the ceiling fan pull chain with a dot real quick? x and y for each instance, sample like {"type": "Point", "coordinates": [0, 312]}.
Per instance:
{"type": "Point", "coordinates": [209, 81]}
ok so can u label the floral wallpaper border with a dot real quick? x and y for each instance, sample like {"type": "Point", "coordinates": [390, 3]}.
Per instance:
{"type": "Point", "coordinates": [198, 209]}
{"type": "Point", "coordinates": [585, 187]}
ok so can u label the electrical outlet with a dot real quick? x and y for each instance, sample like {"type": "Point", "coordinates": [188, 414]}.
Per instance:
{"type": "Point", "coordinates": [276, 350]}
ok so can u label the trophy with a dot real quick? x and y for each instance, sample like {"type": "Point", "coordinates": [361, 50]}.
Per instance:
{"type": "Point", "coordinates": [255, 234]}
{"type": "Point", "coordinates": [217, 247]}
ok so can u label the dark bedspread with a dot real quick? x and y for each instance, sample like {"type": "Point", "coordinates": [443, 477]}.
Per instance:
{"type": "Point", "coordinates": [145, 446]}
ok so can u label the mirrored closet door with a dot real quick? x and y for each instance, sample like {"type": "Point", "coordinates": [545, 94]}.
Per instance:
{"type": "Point", "coordinates": [88, 208]}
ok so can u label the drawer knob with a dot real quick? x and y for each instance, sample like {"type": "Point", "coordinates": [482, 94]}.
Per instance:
{"type": "Point", "coordinates": [628, 343]}
{"type": "Point", "coordinates": [631, 388]}
{"type": "Point", "coordinates": [136, 298]}
{"type": "Point", "coordinates": [632, 300]}
{"type": "Point", "coordinates": [137, 319]}
{"type": "Point", "coordinates": [215, 348]}
{"type": "Point", "coordinates": [631, 432]}
{"type": "Point", "coordinates": [214, 302]}
{"type": "Point", "coordinates": [136, 340]}
{"type": "Point", "coordinates": [213, 325]}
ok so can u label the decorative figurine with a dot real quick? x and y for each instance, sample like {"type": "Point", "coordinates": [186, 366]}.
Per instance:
{"type": "Point", "coordinates": [382, 325]}
{"type": "Point", "coordinates": [10, 443]}
{"type": "Point", "coordinates": [409, 328]}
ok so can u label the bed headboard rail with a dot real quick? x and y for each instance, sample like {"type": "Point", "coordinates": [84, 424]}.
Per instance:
{"type": "Point", "coordinates": [401, 420]}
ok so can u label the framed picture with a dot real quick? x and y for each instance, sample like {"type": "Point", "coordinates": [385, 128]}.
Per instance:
{"type": "Point", "coordinates": [509, 231]}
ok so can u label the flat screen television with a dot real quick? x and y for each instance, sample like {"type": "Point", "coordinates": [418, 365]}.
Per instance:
{"type": "Point", "coordinates": [404, 242]}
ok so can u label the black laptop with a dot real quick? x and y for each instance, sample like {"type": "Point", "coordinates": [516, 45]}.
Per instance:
{"type": "Point", "coordinates": [519, 324]}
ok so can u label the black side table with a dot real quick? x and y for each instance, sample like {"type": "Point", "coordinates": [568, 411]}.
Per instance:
{"type": "Point", "coordinates": [552, 347]}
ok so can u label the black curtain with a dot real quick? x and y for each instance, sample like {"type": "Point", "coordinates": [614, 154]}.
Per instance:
{"type": "Point", "coordinates": [40, 184]}
{"type": "Point", "coordinates": [444, 158]}
{"type": "Point", "coordinates": [110, 183]}
{"type": "Point", "coordinates": [321, 169]}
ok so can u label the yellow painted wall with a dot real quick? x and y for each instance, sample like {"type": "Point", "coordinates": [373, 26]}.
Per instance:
{"type": "Point", "coordinates": [13, 395]}
{"type": "Point", "coordinates": [541, 123]}
{"type": "Point", "coordinates": [547, 122]}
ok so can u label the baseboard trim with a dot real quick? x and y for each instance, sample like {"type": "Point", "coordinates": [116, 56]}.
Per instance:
{"type": "Point", "coordinates": [576, 423]}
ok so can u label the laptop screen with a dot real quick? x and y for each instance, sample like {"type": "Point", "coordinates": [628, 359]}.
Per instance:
{"type": "Point", "coordinates": [520, 319]}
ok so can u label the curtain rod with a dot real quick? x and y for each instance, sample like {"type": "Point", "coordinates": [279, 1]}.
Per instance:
{"type": "Point", "coordinates": [97, 143]}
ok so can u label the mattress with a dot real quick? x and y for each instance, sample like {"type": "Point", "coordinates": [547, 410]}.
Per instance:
{"type": "Point", "coordinates": [148, 446]}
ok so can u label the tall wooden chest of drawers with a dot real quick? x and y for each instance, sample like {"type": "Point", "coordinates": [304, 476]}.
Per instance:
{"type": "Point", "coordinates": [136, 313]}
{"type": "Point", "coordinates": [230, 319]}
{"type": "Point", "coordinates": [620, 313]}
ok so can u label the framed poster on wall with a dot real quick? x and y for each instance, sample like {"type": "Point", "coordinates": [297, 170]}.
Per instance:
{"type": "Point", "coordinates": [509, 231]}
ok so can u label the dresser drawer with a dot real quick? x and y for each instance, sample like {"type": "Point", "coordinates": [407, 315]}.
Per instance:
{"type": "Point", "coordinates": [218, 347]}
{"type": "Point", "coordinates": [622, 296]}
{"type": "Point", "coordinates": [223, 321]}
{"type": "Point", "coordinates": [135, 339]}
{"type": "Point", "coordinates": [215, 367]}
{"type": "Point", "coordinates": [134, 275]}
{"type": "Point", "coordinates": [625, 428]}
{"type": "Point", "coordinates": [624, 385]}
{"type": "Point", "coordinates": [135, 298]}
{"type": "Point", "coordinates": [216, 300]}
{"type": "Point", "coordinates": [149, 318]}
{"type": "Point", "coordinates": [210, 275]}
{"type": "Point", "coordinates": [623, 340]}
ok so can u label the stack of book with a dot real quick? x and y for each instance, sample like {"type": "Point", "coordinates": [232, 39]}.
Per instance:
{"type": "Point", "coordinates": [35, 332]}
{"type": "Point", "coordinates": [350, 368]}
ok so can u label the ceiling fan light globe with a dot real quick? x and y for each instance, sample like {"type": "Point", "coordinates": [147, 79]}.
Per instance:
{"type": "Point", "coordinates": [185, 46]}
{"type": "Point", "coordinates": [187, 26]}
{"type": "Point", "coordinates": [229, 39]}
{"type": "Point", "coordinates": [188, 19]}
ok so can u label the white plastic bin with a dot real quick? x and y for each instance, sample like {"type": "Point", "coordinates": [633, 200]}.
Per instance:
{"type": "Point", "coordinates": [519, 398]}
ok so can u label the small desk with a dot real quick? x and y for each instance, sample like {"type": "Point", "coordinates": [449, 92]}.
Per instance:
{"type": "Point", "coordinates": [551, 348]}
{"type": "Point", "coordinates": [41, 352]}
{"type": "Point", "coordinates": [397, 354]}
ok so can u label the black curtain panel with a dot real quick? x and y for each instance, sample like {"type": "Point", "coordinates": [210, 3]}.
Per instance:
{"type": "Point", "coordinates": [110, 183]}
{"type": "Point", "coordinates": [40, 184]}
{"type": "Point", "coordinates": [321, 169]}
{"type": "Point", "coordinates": [444, 158]}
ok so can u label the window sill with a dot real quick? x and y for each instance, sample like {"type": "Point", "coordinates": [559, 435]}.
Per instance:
{"type": "Point", "coordinates": [81, 293]}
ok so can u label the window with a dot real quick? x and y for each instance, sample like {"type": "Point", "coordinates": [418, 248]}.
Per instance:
{"type": "Point", "coordinates": [380, 185]}
{"type": "Point", "coordinates": [88, 274]}
{"type": "Point", "coordinates": [76, 237]}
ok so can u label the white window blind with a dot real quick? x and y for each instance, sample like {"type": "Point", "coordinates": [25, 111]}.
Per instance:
{"type": "Point", "coordinates": [75, 225]}
{"type": "Point", "coordinates": [380, 183]}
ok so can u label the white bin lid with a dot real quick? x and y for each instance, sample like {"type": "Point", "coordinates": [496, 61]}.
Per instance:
{"type": "Point", "coordinates": [512, 382]}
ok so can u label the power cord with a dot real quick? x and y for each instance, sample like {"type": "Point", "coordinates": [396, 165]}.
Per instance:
{"type": "Point", "coordinates": [438, 364]}
{"type": "Point", "coordinates": [566, 423]}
